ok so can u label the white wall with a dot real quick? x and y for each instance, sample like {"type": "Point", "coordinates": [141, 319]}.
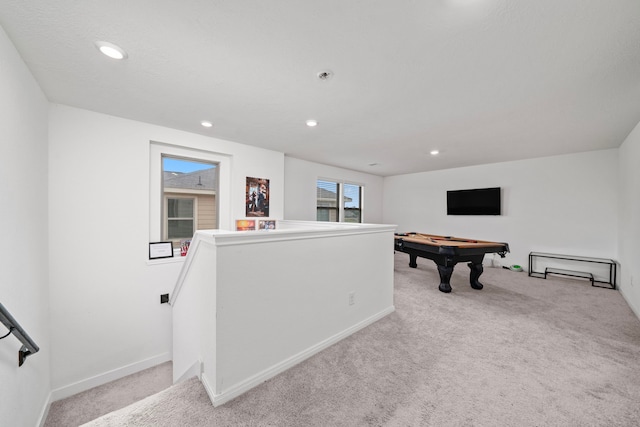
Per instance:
{"type": "Point", "coordinates": [106, 315]}
{"type": "Point", "coordinates": [300, 189]}
{"type": "Point", "coordinates": [24, 250]}
{"type": "Point", "coordinates": [563, 204]}
{"type": "Point", "coordinates": [629, 219]}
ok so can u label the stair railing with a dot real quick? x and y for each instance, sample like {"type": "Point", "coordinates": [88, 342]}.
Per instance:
{"type": "Point", "coordinates": [28, 345]}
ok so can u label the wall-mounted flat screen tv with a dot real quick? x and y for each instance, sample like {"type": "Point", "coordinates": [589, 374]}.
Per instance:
{"type": "Point", "coordinates": [479, 201]}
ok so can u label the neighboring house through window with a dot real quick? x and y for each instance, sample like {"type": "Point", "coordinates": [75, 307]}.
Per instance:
{"type": "Point", "coordinates": [327, 201]}
{"type": "Point", "coordinates": [180, 218]}
{"type": "Point", "coordinates": [338, 201]}
{"type": "Point", "coordinates": [189, 189]}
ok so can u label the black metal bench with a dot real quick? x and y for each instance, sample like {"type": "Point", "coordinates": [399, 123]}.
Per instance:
{"type": "Point", "coordinates": [572, 260]}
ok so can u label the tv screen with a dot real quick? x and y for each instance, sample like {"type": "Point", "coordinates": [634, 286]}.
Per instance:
{"type": "Point", "coordinates": [480, 201]}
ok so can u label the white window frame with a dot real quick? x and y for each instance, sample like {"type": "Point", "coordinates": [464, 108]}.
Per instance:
{"type": "Point", "coordinates": [341, 184]}
{"type": "Point", "coordinates": [156, 196]}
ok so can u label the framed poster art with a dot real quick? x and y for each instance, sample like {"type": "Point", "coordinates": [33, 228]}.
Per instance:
{"type": "Point", "coordinates": [159, 250]}
{"type": "Point", "coordinates": [257, 197]}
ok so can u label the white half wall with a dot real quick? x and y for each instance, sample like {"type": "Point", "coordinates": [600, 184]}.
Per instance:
{"type": "Point", "coordinates": [257, 303]}
{"type": "Point", "coordinates": [564, 204]}
{"type": "Point", "coordinates": [106, 315]}
{"type": "Point", "coordinates": [629, 219]}
{"type": "Point", "coordinates": [301, 177]}
{"type": "Point", "coordinates": [24, 263]}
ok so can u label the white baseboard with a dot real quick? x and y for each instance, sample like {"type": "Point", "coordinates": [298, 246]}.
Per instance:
{"type": "Point", "coordinates": [208, 387]}
{"type": "Point", "coordinates": [116, 374]}
{"type": "Point", "coordinates": [194, 370]}
{"type": "Point", "coordinates": [45, 411]}
{"type": "Point", "coordinates": [244, 386]}
{"type": "Point", "coordinates": [628, 301]}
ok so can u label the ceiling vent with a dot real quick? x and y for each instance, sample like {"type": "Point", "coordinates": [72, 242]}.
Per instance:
{"type": "Point", "coordinates": [325, 75]}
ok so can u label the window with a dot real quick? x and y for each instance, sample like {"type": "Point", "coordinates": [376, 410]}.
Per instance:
{"type": "Point", "coordinates": [170, 165]}
{"type": "Point", "coordinates": [352, 207]}
{"type": "Point", "coordinates": [180, 217]}
{"type": "Point", "coordinates": [338, 201]}
{"type": "Point", "coordinates": [327, 201]}
{"type": "Point", "coordinates": [189, 188]}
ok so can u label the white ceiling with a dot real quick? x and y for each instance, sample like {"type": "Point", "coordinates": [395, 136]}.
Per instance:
{"type": "Point", "coordinates": [482, 81]}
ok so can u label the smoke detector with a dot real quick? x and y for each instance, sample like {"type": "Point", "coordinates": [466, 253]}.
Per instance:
{"type": "Point", "coordinates": [324, 75]}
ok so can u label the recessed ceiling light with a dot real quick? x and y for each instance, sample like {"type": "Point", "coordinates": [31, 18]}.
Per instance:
{"type": "Point", "coordinates": [111, 50]}
{"type": "Point", "coordinates": [312, 123]}
{"type": "Point", "coordinates": [434, 152]}
{"type": "Point", "coordinates": [206, 123]}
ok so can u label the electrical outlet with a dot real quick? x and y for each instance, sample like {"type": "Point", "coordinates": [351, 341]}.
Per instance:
{"type": "Point", "coordinates": [631, 281]}
{"type": "Point", "coordinates": [352, 298]}
{"type": "Point", "coordinates": [164, 298]}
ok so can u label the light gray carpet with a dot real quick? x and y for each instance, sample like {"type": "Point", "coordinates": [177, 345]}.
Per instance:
{"type": "Point", "coordinates": [521, 352]}
{"type": "Point", "coordinates": [91, 404]}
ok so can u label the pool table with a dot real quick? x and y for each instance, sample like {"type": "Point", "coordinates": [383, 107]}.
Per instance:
{"type": "Point", "coordinates": [446, 252]}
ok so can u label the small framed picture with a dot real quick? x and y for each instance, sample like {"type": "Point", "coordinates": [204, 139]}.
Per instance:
{"type": "Point", "coordinates": [245, 224]}
{"type": "Point", "coordinates": [266, 224]}
{"type": "Point", "coordinates": [160, 250]}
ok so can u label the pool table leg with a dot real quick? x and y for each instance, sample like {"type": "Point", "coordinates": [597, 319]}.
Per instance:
{"type": "Point", "coordinates": [445, 277]}
{"type": "Point", "coordinates": [476, 271]}
{"type": "Point", "coordinates": [412, 260]}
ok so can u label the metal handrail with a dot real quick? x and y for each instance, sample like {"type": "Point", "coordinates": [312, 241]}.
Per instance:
{"type": "Point", "coordinates": [28, 345]}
